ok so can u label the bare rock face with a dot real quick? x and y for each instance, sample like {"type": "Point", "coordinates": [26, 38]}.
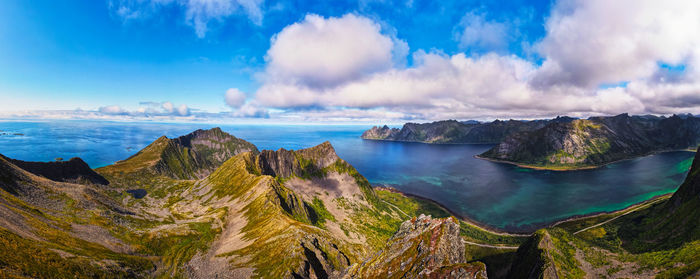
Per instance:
{"type": "Point", "coordinates": [285, 163]}
{"type": "Point", "coordinates": [192, 156]}
{"type": "Point", "coordinates": [321, 259]}
{"type": "Point", "coordinates": [534, 258]}
{"type": "Point", "coordinates": [422, 248]}
{"type": "Point", "coordinates": [380, 133]}
{"type": "Point", "coordinates": [74, 170]}
{"type": "Point", "coordinates": [597, 140]}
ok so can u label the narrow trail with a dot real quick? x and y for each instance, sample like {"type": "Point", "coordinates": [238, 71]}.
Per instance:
{"type": "Point", "coordinates": [607, 221]}
{"type": "Point", "coordinates": [489, 246]}
{"type": "Point", "coordinates": [395, 207]}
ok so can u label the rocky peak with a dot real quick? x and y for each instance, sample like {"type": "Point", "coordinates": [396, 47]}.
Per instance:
{"type": "Point", "coordinates": [285, 163]}
{"type": "Point", "coordinates": [423, 247]}
{"type": "Point", "coordinates": [74, 170]}
{"type": "Point", "coordinates": [533, 258]}
{"type": "Point", "coordinates": [191, 156]}
{"type": "Point", "coordinates": [377, 132]}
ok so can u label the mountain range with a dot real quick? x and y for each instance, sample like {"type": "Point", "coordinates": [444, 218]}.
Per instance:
{"type": "Point", "coordinates": [561, 143]}
{"type": "Point", "coordinates": [210, 205]}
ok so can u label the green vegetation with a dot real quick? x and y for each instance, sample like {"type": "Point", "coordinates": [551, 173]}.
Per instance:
{"type": "Point", "coordinates": [322, 213]}
{"type": "Point", "coordinates": [177, 248]}
{"type": "Point", "coordinates": [412, 206]}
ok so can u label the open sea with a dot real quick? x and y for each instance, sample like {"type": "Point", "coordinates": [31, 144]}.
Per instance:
{"type": "Point", "coordinates": [499, 195]}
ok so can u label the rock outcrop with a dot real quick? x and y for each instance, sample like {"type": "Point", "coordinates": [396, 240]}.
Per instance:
{"type": "Point", "coordinates": [422, 248]}
{"type": "Point", "coordinates": [74, 170]}
{"type": "Point", "coordinates": [534, 258]}
{"type": "Point", "coordinates": [596, 141]}
{"type": "Point", "coordinates": [285, 163]}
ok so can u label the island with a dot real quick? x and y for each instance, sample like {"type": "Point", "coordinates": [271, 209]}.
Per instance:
{"type": "Point", "coordinates": [562, 143]}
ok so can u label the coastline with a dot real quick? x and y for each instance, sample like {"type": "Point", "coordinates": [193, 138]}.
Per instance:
{"type": "Point", "coordinates": [525, 166]}
{"type": "Point", "coordinates": [526, 233]}
{"type": "Point", "coordinates": [465, 219]}
{"type": "Point", "coordinates": [434, 143]}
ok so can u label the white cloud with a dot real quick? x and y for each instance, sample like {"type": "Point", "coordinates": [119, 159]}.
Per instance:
{"type": "Point", "coordinates": [327, 51]}
{"type": "Point", "coordinates": [588, 43]}
{"type": "Point", "coordinates": [198, 13]}
{"type": "Point", "coordinates": [111, 110]}
{"type": "Point", "coordinates": [234, 98]}
{"type": "Point", "coordinates": [475, 32]}
{"type": "Point", "coordinates": [252, 109]}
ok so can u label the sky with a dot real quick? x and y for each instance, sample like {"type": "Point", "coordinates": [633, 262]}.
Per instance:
{"type": "Point", "coordinates": [347, 61]}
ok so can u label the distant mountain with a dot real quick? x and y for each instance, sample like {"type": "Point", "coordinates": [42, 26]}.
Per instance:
{"type": "Point", "coordinates": [596, 141]}
{"type": "Point", "coordinates": [191, 156]}
{"type": "Point", "coordinates": [660, 240]}
{"type": "Point", "coordinates": [452, 131]}
{"type": "Point", "coordinates": [74, 170]}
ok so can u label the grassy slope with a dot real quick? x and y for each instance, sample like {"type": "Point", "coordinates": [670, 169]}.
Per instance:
{"type": "Point", "coordinates": [647, 240]}
{"type": "Point", "coordinates": [497, 261]}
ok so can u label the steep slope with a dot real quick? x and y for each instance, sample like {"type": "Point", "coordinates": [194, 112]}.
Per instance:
{"type": "Point", "coordinates": [422, 248]}
{"type": "Point", "coordinates": [276, 214]}
{"type": "Point", "coordinates": [668, 225]}
{"type": "Point", "coordinates": [659, 240]}
{"type": "Point", "coordinates": [52, 229]}
{"type": "Point", "coordinates": [191, 156]}
{"type": "Point", "coordinates": [452, 131]}
{"type": "Point", "coordinates": [272, 214]}
{"type": "Point", "coordinates": [74, 170]}
{"type": "Point", "coordinates": [596, 141]}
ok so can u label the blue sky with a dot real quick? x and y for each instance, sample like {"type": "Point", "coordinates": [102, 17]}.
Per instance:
{"type": "Point", "coordinates": [115, 57]}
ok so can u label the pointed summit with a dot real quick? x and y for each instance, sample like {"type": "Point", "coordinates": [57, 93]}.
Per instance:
{"type": "Point", "coordinates": [191, 156]}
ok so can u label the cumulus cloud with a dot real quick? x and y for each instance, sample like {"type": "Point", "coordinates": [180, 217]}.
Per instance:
{"type": "Point", "coordinates": [198, 13]}
{"type": "Point", "coordinates": [590, 42]}
{"type": "Point", "coordinates": [587, 44]}
{"type": "Point", "coordinates": [475, 32]}
{"type": "Point", "coordinates": [113, 110]}
{"type": "Point", "coordinates": [323, 52]}
{"type": "Point", "coordinates": [252, 109]}
{"type": "Point", "coordinates": [234, 98]}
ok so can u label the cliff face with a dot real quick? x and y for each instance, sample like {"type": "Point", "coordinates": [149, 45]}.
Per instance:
{"type": "Point", "coordinates": [74, 170]}
{"type": "Point", "coordinates": [192, 156]}
{"type": "Point", "coordinates": [422, 248]}
{"type": "Point", "coordinates": [380, 133]}
{"type": "Point", "coordinates": [285, 163]}
{"type": "Point", "coordinates": [596, 141]}
{"type": "Point", "coordinates": [452, 131]}
{"type": "Point", "coordinates": [534, 258]}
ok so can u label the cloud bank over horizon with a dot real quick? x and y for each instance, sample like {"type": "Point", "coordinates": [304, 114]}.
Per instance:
{"type": "Point", "coordinates": [599, 58]}
{"type": "Point", "coordinates": [593, 57]}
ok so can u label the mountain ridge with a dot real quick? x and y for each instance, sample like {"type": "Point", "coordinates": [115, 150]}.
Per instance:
{"type": "Point", "coordinates": [588, 143]}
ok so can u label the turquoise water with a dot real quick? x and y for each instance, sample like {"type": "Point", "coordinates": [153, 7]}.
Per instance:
{"type": "Point", "coordinates": [500, 195]}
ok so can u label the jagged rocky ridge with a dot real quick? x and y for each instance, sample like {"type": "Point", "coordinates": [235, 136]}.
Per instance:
{"type": "Point", "coordinates": [595, 141]}
{"type": "Point", "coordinates": [452, 131]}
{"type": "Point", "coordinates": [422, 248]}
{"type": "Point", "coordinates": [271, 214]}
{"type": "Point", "coordinates": [74, 170]}
{"type": "Point", "coordinates": [192, 156]}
